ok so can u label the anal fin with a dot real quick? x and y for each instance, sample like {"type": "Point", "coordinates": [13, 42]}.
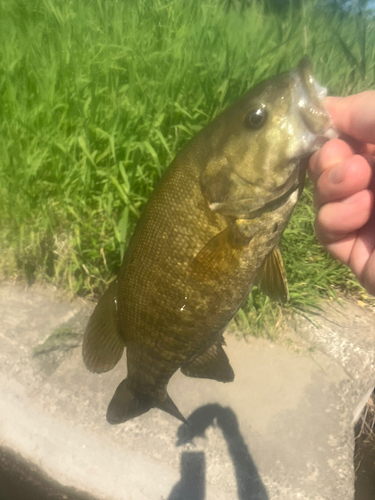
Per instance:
{"type": "Point", "coordinates": [213, 363]}
{"type": "Point", "coordinates": [102, 345]}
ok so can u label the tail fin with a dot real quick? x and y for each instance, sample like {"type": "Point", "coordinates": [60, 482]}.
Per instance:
{"type": "Point", "coordinates": [167, 405]}
{"type": "Point", "coordinates": [126, 405]}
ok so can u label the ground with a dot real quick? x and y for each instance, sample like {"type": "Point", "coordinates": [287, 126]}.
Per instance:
{"type": "Point", "coordinates": [282, 431]}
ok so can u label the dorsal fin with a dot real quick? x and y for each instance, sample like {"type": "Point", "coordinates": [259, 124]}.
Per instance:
{"type": "Point", "coordinates": [272, 277]}
{"type": "Point", "coordinates": [102, 345]}
{"type": "Point", "coordinates": [213, 363]}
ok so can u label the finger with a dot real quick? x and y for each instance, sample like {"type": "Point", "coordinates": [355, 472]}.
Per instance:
{"type": "Point", "coordinates": [354, 115]}
{"type": "Point", "coordinates": [357, 146]}
{"type": "Point", "coordinates": [342, 249]}
{"type": "Point", "coordinates": [337, 219]}
{"type": "Point", "coordinates": [362, 251]}
{"type": "Point", "coordinates": [357, 250]}
{"type": "Point", "coordinates": [369, 149]}
{"type": "Point", "coordinates": [343, 180]}
{"type": "Point", "coordinates": [368, 275]}
{"type": "Point", "coordinates": [331, 154]}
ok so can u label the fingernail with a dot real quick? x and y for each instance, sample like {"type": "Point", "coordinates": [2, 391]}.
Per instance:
{"type": "Point", "coordinates": [337, 174]}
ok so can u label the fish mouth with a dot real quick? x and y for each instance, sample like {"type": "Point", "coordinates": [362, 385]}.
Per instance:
{"type": "Point", "coordinates": [273, 204]}
{"type": "Point", "coordinates": [315, 124]}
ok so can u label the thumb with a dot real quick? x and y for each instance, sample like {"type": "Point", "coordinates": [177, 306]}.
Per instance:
{"type": "Point", "coordinates": [354, 115]}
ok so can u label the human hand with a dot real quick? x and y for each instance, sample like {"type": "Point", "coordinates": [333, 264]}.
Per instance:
{"type": "Point", "coordinates": [342, 172]}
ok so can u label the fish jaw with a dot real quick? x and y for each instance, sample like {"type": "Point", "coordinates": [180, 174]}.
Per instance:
{"type": "Point", "coordinates": [315, 124]}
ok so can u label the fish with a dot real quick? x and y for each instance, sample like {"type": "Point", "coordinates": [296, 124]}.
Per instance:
{"type": "Point", "coordinates": [209, 232]}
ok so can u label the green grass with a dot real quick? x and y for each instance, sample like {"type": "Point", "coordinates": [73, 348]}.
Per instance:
{"type": "Point", "coordinates": [97, 96]}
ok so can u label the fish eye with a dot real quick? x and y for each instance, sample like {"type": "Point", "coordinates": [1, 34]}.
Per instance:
{"type": "Point", "coordinates": [256, 117]}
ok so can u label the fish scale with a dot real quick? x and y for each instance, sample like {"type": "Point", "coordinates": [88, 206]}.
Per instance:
{"type": "Point", "coordinates": [208, 233]}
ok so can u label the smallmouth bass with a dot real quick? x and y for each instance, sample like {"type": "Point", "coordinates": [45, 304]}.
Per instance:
{"type": "Point", "coordinates": [208, 233]}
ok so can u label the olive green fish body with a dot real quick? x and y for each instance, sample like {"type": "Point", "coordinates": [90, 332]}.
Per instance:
{"type": "Point", "coordinates": [171, 311]}
{"type": "Point", "coordinates": [209, 231]}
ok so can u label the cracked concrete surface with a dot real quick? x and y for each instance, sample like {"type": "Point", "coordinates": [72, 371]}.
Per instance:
{"type": "Point", "coordinates": [282, 431]}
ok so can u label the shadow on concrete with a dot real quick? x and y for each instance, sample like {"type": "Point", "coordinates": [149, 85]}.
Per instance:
{"type": "Point", "coordinates": [364, 455]}
{"type": "Point", "coordinates": [192, 483]}
{"type": "Point", "coordinates": [21, 480]}
{"type": "Point", "coordinates": [193, 474]}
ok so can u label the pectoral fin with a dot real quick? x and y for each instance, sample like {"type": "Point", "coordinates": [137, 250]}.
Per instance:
{"type": "Point", "coordinates": [272, 277]}
{"type": "Point", "coordinates": [217, 258]}
{"type": "Point", "coordinates": [213, 364]}
{"type": "Point", "coordinates": [102, 345]}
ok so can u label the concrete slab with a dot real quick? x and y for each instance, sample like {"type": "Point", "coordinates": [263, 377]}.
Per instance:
{"type": "Point", "coordinates": [282, 431]}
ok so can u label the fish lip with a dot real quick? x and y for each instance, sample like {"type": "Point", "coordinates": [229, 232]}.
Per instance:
{"type": "Point", "coordinates": [310, 89]}
{"type": "Point", "coordinates": [309, 95]}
